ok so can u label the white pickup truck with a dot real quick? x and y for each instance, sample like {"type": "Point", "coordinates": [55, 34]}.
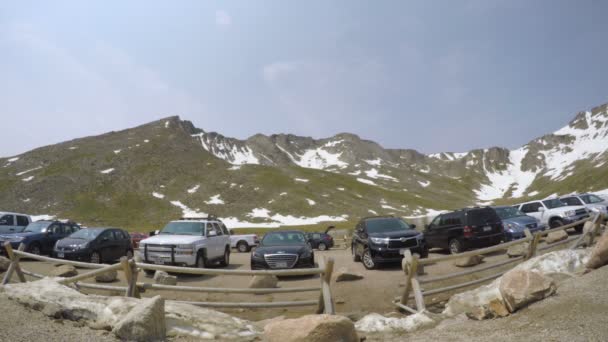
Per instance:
{"type": "Point", "coordinates": [188, 242]}
{"type": "Point", "coordinates": [554, 212]}
{"type": "Point", "coordinates": [243, 242]}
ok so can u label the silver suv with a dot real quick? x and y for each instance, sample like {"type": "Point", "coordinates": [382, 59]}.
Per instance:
{"type": "Point", "coordinates": [191, 242]}
{"type": "Point", "coordinates": [590, 201]}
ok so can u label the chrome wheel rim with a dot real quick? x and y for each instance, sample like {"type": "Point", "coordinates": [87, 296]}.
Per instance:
{"type": "Point", "coordinates": [454, 248]}
{"type": "Point", "coordinates": [367, 260]}
{"type": "Point", "coordinates": [322, 247]}
{"type": "Point", "coordinates": [242, 248]}
{"type": "Point", "coordinates": [35, 250]}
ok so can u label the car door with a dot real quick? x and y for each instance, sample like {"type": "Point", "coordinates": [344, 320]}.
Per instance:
{"type": "Point", "coordinates": [53, 234]}
{"type": "Point", "coordinates": [7, 224]}
{"type": "Point", "coordinates": [211, 235]}
{"type": "Point", "coordinates": [220, 239]}
{"type": "Point", "coordinates": [532, 209]}
{"type": "Point", "coordinates": [431, 233]}
{"type": "Point", "coordinates": [22, 222]}
{"type": "Point", "coordinates": [109, 246]}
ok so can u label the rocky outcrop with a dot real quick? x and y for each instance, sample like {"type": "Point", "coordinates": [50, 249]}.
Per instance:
{"type": "Point", "coordinates": [599, 253]}
{"type": "Point", "coordinates": [145, 322]}
{"type": "Point", "coordinates": [518, 250]}
{"type": "Point", "coordinates": [521, 287]}
{"type": "Point", "coordinates": [312, 328]}
{"type": "Point", "coordinates": [163, 278]}
{"type": "Point", "coordinates": [107, 277]}
{"type": "Point", "coordinates": [344, 274]}
{"type": "Point", "coordinates": [264, 282]}
{"type": "Point", "coordinates": [4, 264]}
{"type": "Point", "coordinates": [469, 261]}
{"type": "Point", "coordinates": [556, 236]}
{"type": "Point", "coordinates": [64, 271]}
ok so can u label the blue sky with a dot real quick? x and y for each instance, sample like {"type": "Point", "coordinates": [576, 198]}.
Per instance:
{"type": "Point", "coordinates": [429, 75]}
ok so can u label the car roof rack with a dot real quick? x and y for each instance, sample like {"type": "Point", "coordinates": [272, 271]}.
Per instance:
{"type": "Point", "coordinates": [199, 218]}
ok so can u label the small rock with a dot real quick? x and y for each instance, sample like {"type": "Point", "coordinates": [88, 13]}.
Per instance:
{"type": "Point", "coordinates": [522, 287]}
{"type": "Point", "coordinates": [599, 253]}
{"type": "Point", "coordinates": [264, 282]}
{"type": "Point", "coordinates": [312, 328]}
{"type": "Point", "coordinates": [163, 278]}
{"type": "Point", "coordinates": [4, 263]}
{"type": "Point", "coordinates": [64, 271]}
{"type": "Point", "coordinates": [344, 274]}
{"type": "Point", "coordinates": [340, 301]}
{"type": "Point", "coordinates": [469, 261]}
{"type": "Point", "coordinates": [498, 308]}
{"type": "Point", "coordinates": [556, 236]}
{"type": "Point", "coordinates": [518, 250]}
{"type": "Point", "coordinates": [107, 277]}
{"type": "Point", "coordinates": [145, 322]}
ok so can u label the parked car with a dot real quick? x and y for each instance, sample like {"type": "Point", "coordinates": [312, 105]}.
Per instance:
{"type": "Point", "coordinates": [320, 241]}
{"type": "Point", "coordinates": [592, 202]}
{"type": "Point", "coordinates": [383, 239]}
{"type": "Point", "coordinates": [13, 222]}
{"type": "Point", "coordinates": [515, 222]}
{"type": "Point", "coordinates": [555, 213]}
{"type": "Point", "coordinates": [195, 242]}
{"type": "Point", "coordinates": [463, 229]}
{"type": "Point", "coordinates": [95, 245]}
{"type": "Point", "coordinates": [243, 242]}
{"type": "Point", "coordinates": [136, 238]}
{"type": "Point", "coordinates": [283, 250]}
{"type": "Point", "coordinates": [40, 237]}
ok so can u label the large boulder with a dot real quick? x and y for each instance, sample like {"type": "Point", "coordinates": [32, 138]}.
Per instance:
{"type": "Point", "coordinates": [522, 287]}
{"type": "Point", "coordinates": [518, 250]}
{"type": "Point", "coordinates": [556, 236]}
{"type": "Point", "coordinates": [145, 322]}
{"type": "Point", "coordinates": [163, 278]}
{"type": "Point", "coordinates": [264, 282]}
{"type": "Point", "coordinates": [344, 274]}
{"type": "Point", "coordinates": [107, 277]}
{"type": "Point", "coordinates": [4, 264]}
{"type": "Point", "coordinates": [469, 261]}
{"type": "Point", "coordinates": [599, 253]}
{"type": "Point", "coordinates": [65, 271]}
{"type": "Point", "coordinates": [312, 328]}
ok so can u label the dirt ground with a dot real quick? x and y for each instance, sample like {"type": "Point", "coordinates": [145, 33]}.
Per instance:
{"type": "Point", "coordinates": [374, 293]}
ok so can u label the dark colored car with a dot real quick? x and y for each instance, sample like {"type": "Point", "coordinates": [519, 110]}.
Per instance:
{"type": "Point", "coordinates": [515, 222]}
{"type": "Point", "coordinates": [464, 229]}
{"type": "Point", "coordinates": [40, 237]}
{"type": "Point", "coordinates": [95, 245]}
{"type": "Point", "coordinates": [383, 239]}
{"type": "Point", "coordinates": [283, 250]}
{"type": "Point", "coordinates": [320, 241]}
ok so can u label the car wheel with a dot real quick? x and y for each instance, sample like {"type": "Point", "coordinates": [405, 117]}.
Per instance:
{"type": "Point", "coordinates": [129, 254]}
{"type": "Point", "coordinates": [356, 258]}
{"type": "Point", "coordinates": [201, 261]}
{"type": "Point", "coordinates": [242, 247]}
{"type": "Point", "coordinates": [556, 223]}
{"type": "Point", "coordinates": [226, 260]}
{"type": "Point", "coordinates": [322, 246]}
{"type": "Point", "coordinates": [35, 249]}
{"type": "Point", "coordinates": [455, 246]}
{"type": "Point", "coordinates": [368, 261]}
{"type": "Point", "coordinates": [95, 258]}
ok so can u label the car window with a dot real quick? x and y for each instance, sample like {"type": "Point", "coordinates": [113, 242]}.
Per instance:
{"type": "Point", "coordinates": [55, 228]}
{"type": "Point", "coordinates": [22, 221]}
{"type": "Point", "coordinates": [571, 201]}
{"type": "Point", "coordinates": [224, 229]}
{"type": "Point", "coordinates": [217, 228]}
{"type": "Point", "coordinates": [108, 234]}
{"type": "Point", "coordinates": [210, 228]}
{"type": "Point", "coordinates": [436, 222]}
{"type": "Point", "coordinates": [590, 199]}
{"type": "Point", "coordinates": [316, 236]}
{"type": "Point", "coordinates": [531, 207]}
{"type": "Point", "coordinates": [451, 219]}
{"type": "Point", "coordinates": [74, 229]}
{"type": "Point", "coordinates": [479, 217]}
{"type": "Point", "coordinates": [7, 220]}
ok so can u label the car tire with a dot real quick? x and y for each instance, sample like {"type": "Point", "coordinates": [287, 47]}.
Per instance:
{"type": "Point", "coordinates": [356, 258]}
{"type": "Point", "coordinates": [455, 246]}
{"type": "Point", "coordinates": [556, 223]}
{"type": "Point", "coordinates": [368, 261]}
{"type": "Point", "coordinates": [201, 260]}
{"type": "Point", "coordinates": [322, 246]}
{"type": "Point", "coordinates": [424, 253]}
{"type": "Point", "coordinates": [95, 258]}
{"type": "Point", "coordinates": [243, 247]}
{"type": "Point", "coordinates": [35, 249]}
{"type": "Point", "coordinates": [226, 259]}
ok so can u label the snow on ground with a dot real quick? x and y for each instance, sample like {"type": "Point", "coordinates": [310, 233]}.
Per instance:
{"type": "Point", "coordinates": [230, 152]}
{"type": "Point", "coordinates": [424, 184]}
{"type": "Point", "coordinates": [193, 189]}
{"type": "Point", "coordinates": [232, 185]}
{"type": "Point", "coordinates": [511, 178]}
{"type": "Point", "coordinates": [341, 189]}
{"type": "Point", "coordinates": [366, 181]}
{"type": "Point", "coordinates": [30, 170]}
{"type": "Point", "coordinates": [234, 168]}
{"type": "Point", "coordinates": [320, 159]}
{"type": "Point", "coordinates": [373, 173]}
{"type": "Point", "coordinates": [26, 200]}
{"type": "Point", "coordinates": [187, 212]}
{"type": "Point", "coordinates": [117, 151]}
{"type": "Point", "coordinates": [302, 180]}
{"type": "Point", "coordinates": [157, 195]}
{"type": "Point", "coordinates": [310, 202]}
{"type": "Point", "coordinates": [283, 194]}
{"type": "Point", "coordinates": [373, 212]}
{"type": "Point", "coordinates": [427, 213]}
{"type": "Point", "coordinates": [355, 173]}
{"type": "Point", "coordinates": [374, 162]}
{"type": "Point", "coordinates": [215, 200]}
{"type": "Point", "coordinates": [107, 171]}
{"type": "Point", "coordinates": [333, 143]}
{"type": "Point", "coordinates": [166, 124]}
{"type": "Point", "coordinates": [73, 147]}
{"type": "Point", "coordinates": [27, 179]}
{"type": "Point", "coordinates": [533, 193]}
{"type": "Point", "coordinates": [146, 141]}
{"type": "Point", "coordinates": [12, 160]}
{"type": "Point", "coordinates": [388, 207]}
{"type": "Point", "coordinates": [448, 155]}
{"type": "Point", "coordinates": [277, 220]}
{"type": "Point", "coordinates": [42, 217]}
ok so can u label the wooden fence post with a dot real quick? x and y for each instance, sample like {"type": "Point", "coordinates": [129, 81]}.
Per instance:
{"type": "Point", "coordinates": [410, 267]}
{"type": "Point", "coordinates": [533, 244]}
{"type": "Point", "coordinates": [126, 267]}
{"type": "Point", "coordinates": [134, 290]}
{"type": "Point", "coordinates": [14, 266]}
{"type": "Point", "coordinates": [326, 301]}
{"type": "Point", "coordinates": [416, 286]}
{"type": "Point", "coordinates": [599, 219]}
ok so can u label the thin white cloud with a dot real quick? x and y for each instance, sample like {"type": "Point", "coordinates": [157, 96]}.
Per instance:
{"type": "Point", "coordinates": [274, 71]}
{"type": "Point", "coordinates": [222, 18]}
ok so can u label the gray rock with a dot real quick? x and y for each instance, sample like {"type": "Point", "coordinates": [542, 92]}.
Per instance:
{"type": "Point", "coordinates": [556, 236]}
{"type": "Point", "coordinates": [163, 278]}
{"type": "Point", "coordinates": [312, 328]}
{"type": "Point", "coordinates": [263, 282]}
{"type": "Point", "coordinates": [344, 274]}
{"type": "Point", "coordinates": [107, 277]}
{"type": "Point", "coordinates": [64, 271]}
{"type": "Point", "coordinates": [4, 263]}
{"type": "Point", "coordinates": [145, 322]}
{"type": "Point", "coordinates": [518, 250]}
{"type": "Point", "coordinates": [599, 253]}
{"type": "Point", "coordinates": [522, 287]}
{"type": "Point", "coordinates": [469, 261]}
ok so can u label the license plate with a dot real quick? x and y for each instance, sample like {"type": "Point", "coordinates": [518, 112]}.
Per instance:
{"type": "Point", "coordinates": [487, 229]}
{"type": "Point", "coordinates": [281, 265]}
{"type": "Point", "coordinates": [60, 255]}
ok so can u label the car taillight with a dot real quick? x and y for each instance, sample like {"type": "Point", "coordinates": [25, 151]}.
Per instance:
{"type": "Point", "coordinates": [468, 231]}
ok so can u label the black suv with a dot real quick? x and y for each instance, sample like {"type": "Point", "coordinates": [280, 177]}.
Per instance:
{"type": "Point", "coordinates": [382, 239]}
{"type": "Point", "coordinates": [465, 228]}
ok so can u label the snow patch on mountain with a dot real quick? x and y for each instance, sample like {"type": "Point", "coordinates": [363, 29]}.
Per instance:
{"type": "Point", "coordinates": [27, 179]}
{"type": "Point", "coordinates": [374, 162]}
{"type": "Point", "coordinates": [194, 189]}
{"type": "Point", "coordinates": [301, 180]}
{"type": "Point", "coordinates": [320, 159]}
{"type": "Point", "coordinates": [224, 149]}
{"type": "Point", "coordinates": [157, 195]}
{"type": "Point", "coordinates": [215, 200]}
{"type": "Point", "coordinates": [513, 178]}
{"type": "Point", "coordinates": [366, 181]}
{"type": "Point", "coordinates": [186, 211]}
{"type": "Point", "coordinates": [106, 171]}
{"type": "Point", "coordinates": [373, 173]}
{"type": "Point", "coordinates": [28, 171]}
{"type": "Point", "coordinates": [424, 184]}
{"type": "Point", "coordinates": [310, 202]}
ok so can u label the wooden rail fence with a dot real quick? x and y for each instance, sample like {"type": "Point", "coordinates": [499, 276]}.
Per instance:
{"type": "Point", "coordinates": [412, 263]}
{"type": "Point", "coordinates": [131, 270]}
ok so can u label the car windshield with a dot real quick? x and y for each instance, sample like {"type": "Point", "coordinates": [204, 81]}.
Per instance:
{"type": "Point", "coordinates": [386, 225]}
{"type": "Point", "coordinates": [86, 234]}
{"type": "Point", "coordinates": [183, 228]}
{"type": "Point", "coordinates": [284, 238]}
{"type": "Point", "coordinates": [37, 227]}
{"type": "Point", "coordinates": [508, 212]}
{"type": "Point", "coordinates": [554, 203]}
{"type": "Point", "coordinates": [590, 199]}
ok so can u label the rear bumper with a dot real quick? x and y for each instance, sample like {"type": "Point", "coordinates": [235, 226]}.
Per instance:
{"type": "Point", "coordinates": [483, 241]}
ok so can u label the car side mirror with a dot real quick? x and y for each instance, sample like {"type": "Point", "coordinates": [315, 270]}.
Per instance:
{"type": "Point", "coordinates": [231, 232]}
{"type": "Point", "coordinates": [413, 226]}
{"type": "Point", "coordinates": [152, 233]}
{"type": "Point", "coordinates": [211, 233]}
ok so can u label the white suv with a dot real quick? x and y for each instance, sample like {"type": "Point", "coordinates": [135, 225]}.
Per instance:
{"type": "Point", "coordinates": [554, 212]}
{"type": "Point", "coordinates": [590, 201]}
{"type": "Point", "coordinates": [187, 242]}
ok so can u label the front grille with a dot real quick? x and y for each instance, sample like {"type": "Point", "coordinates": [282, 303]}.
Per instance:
{"type": "Point", "coordinates": [580, 211]}
{"type": "Point", "coordinates": [407, 243]}
{"type": "Point", "coordinates": [281, 260]}
{"type": "Point", "coordinates": [159, 249]}
{"type": "Point", "coordinates": [531, 225]}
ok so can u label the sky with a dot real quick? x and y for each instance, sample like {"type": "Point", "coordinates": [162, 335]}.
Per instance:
{"type": "Point", "coordinates": [434, 76]}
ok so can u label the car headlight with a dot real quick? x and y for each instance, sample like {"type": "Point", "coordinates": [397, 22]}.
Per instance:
{"type": "Point", "coordinates": [569, 213]}
{"type": "Point", "coordinates": [306, 254]}
{"type": "Point", "coordinates": [257, 254]}
{"type": "Point", "coordinates": [185, 249]}
{"type": "Point", "coordinates": [380, 241]}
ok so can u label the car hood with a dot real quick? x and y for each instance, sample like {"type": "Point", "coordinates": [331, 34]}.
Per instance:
{"type": "Point", "coordinates": [521, 221]}
{"type": "Point", "coordinates": [71, 242]}
{"type": "Point", "coordinates": [396, 234]}
{"type": "Point", "coordinates": [282, 249]}
{"type": "Point", "coordinates": [167, 239]}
